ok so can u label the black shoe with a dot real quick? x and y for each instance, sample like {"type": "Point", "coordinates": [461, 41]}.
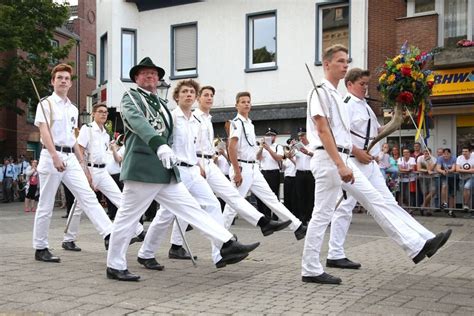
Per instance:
{"type": "Point", "coordinates": [324, 278]}
{"type": "Point", "coordinates": [342, 264]}
{"type": "Point", "coordinates": [231, 259]}
{"type": "Point", "coordinates": [151, 264]}
{"type": "Point", "coordinates": [234, 247]}
{"type": "Point", "coordinates": [274, 226]}
{"type": "Point", "coordinates": [45, 255]}
{"type": "Point", "coordinates": [446, 236]}
{"type": "Point", "coordinates": [106, 242]}
{"type": "Point", "coordinates": [70, 245]}
{"type": "Point", "coordinates": [431, 246]}
{"type": "Point", "coordinates": [180, 253]}
{"type": "Point", "coordinates": [139, 238]}
{"type": "Point", "coordinates": [300, 233]}
{"type": "Point", "coordinates": [189, 228]}
{"type": "Point", "coordinates": [121, 275]}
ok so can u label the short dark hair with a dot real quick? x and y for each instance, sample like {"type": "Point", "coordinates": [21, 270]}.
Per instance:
{"type": "Point", "coordinates": [207, 88]}
{"type": "Point", "coordinates": [188, 83]}
{"type": "Point", "coordinates": [331, 50]}
{"type": "Point", "coordinates": [446, 150]}
{"type": "Point", "coordinates": [355, 74]}
{"type": "Point", "coordinates": [98, 105]}
{"type": "Point", "coordinates": [242, 94]}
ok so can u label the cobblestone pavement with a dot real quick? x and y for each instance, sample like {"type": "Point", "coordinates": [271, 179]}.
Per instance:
{"type": "Point", "coordinates": [267, 282]}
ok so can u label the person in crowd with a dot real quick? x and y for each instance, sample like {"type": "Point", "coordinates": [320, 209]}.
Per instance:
{"type": "Point", "coordinates": [425, 165]}
{"type": "Point", "coordinates": [406, 167]}
{"type": "Point", "coordinates": [21, 167]}
{"type": "Point", "coordinates": [32, 186]}
{"type": "Point", "coordinates": [9, 178]}
{"type": "Point", "coordinates": [289, 170]}
{"type": "Point", "coordinates": [304, 181]}
{"type": "Point", "coordinates": [446, 167]}
{"type": "Point", "coordinates": [384, 159]}
{"type": "Point", "coordinates": [465, 167]}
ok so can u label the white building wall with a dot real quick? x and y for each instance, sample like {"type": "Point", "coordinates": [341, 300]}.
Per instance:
{"type": "Point", "coordinates": [222, 45]}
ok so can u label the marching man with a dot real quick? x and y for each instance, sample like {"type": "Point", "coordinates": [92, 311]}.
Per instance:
{"type": "Point", "coordinates": [94, 142]}
{"type": "Point", "coordinates": [61, 160]}
{"type": "Point", "coordinates": [149, 131]}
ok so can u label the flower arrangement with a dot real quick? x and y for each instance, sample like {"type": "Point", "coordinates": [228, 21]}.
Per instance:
{"type": "Point", "coordinates": [405, 80]}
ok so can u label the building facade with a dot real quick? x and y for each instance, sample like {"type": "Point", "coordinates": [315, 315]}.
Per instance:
{"type": "Point", "coordinates": [18, 135]}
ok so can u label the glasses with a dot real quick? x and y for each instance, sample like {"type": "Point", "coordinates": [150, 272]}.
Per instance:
{"type": "Point", "coordinates": [102, 112]}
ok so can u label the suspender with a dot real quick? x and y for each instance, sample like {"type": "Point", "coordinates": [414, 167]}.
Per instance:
{"type": "Point", "coordinates": [367, 133]}
{"type": "Point", "coordinates": [245, 133]}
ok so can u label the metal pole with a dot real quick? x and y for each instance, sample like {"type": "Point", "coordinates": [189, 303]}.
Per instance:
{"type": "Point", "coordinates": [71, 214]}
{"type": "Point", "coordinates": [185, 242]}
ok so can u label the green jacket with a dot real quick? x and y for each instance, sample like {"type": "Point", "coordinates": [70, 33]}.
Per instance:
{"type": "Point", "coordinates": [145, 131]}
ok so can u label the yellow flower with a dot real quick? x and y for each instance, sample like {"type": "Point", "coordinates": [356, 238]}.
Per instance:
{"type": "Point", "coordinates": [412, 60]}
{"type": "Point", "coordinates": [417, 75]}
{"type": "Point", "coordinates": [430, 77]}
{"type": "Point", "coordinates": [397, 58]}
{"type": "Point", "coordinates": [399, 66]}
{"type": "Point", "coordinates": [391, 79]}
{"type": "Point", "coordinates": [382, 77]}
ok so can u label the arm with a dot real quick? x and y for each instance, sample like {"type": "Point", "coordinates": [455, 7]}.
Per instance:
{"type": "Point", "coordinates": [48, 143]}
{"type": "Point", "coordinates": [79, 151]}
{"type": "Point", "coordinates": [233, 143]}
{"type": "Point", "coordinates": [325, 135]}
{"type": "Point", "coordinates": [272, 153]}
{"type": "Point", "coordinates": [117, 157]}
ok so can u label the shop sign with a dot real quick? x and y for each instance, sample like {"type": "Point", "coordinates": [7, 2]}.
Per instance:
{"type": "Point", "coordinates": [453, 81]}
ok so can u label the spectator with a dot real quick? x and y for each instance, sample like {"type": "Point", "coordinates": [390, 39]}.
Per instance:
{"type": "Point", "coordinates": [289, 169]}
{"type": "Point", "coordinates": [392, 172]}
{"type": "Point", "coordinates": [32, 186]}
{"type": "Point", "coordinates": [417, 152]}
{"type": "Point", "coordinates": [425, 165]}
{"type": "Point", "coordinates": [384, 159]}
{"type": "Point", "coordinates": [446, 166]}
{"type": "Point", "coordinates": [9, 177]}
{"type": "Point", "coordinates": [406, 166]}
{"type": "Point", "coordinates": [20, 171]}
{"type": "Point", "coordinates": [465, 167]}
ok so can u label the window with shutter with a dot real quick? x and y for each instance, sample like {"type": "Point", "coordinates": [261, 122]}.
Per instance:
{"type": "Point", "coordinates": [184, 50]}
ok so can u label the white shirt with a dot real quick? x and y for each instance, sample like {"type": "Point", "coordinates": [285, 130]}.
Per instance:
{"type": "Point", "coordinates": [95, 141]}
{"type": "Point", "coordinates": [246, 148]}
{"type": "Point", "coordinates": [465, 164]}
{"type": "Point", "coordinates": [185, 133]}
{"type": "Point", "coordinates": [302, 161]}
{"type": "Point", "coordinates": [411, 163]}
{"type": "Point", "coordinates": [334, 109]}
{"type": "Point", "coordinates": [205, 135]}
{"type": "Point", "coordinates": [113, 167]}
{"type": "Point", "coordinates": [223, 164]}
{"type": "Point", "coordinates": [267, 162]}
{"type": "Point", "coordinates": [360, 113]}
{"type": "Point", "coordinates": [64, 119]}
{"type": "Point", "coordinates": [289, 168]}
{"type": "Point", "coordinates": [25, 164]}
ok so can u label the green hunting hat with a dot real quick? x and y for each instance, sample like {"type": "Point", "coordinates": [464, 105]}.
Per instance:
{"type": "Point", "coordinates": [146, 63]}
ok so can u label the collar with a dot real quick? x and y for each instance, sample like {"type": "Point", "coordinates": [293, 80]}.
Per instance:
{"type": "Point", "coordinates": [57, 99]}
{"type": "Point", "coordinates": [248, 120]}
{"type": "Point", "coordinates": [96, 127]}
{"type": "Point", "coordinates": [329, 85]}
{"type": "Point", "coordinates": [178, 112]}
{"type": "Point", "coordinates": [146, 91]}
{"type": "Point", "coordinates": [198, 112]}
{"type": "Point", "coordinates": [356, 99]}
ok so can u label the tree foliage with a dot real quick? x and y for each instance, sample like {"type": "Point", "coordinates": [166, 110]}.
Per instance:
{"type": "Point", "coordinates": [26, 31]}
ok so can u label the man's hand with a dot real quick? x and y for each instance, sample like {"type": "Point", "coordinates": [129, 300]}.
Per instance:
{"type": "Point", "coordinates": [166, 155]}
{"type": "Point", "coordinates": [237, 179]}
{"type": "Point", "coordinates": [58, 163]}
{"type": "Point", "coordinates": [203, 172]}
{"type": "Point", "coordinates": [346, 174]}
{"type": "Point", "coordinates": [361, 155]}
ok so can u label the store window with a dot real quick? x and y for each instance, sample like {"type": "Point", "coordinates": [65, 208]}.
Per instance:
{"type": "Point", "coordinates": [261, 41]}
{"type": "Point", "coordinates": [332, 26]}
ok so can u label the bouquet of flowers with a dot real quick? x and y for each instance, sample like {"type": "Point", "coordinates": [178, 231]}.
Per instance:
{"type": "Point", "coordinates": [404, 79]}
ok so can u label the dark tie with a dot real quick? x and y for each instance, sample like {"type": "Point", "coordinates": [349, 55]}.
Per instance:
{"type": "Point", "coordinates": [5, 171]}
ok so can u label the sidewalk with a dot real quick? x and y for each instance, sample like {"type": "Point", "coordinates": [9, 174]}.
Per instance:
{"type": "Point", "coordinates": [267, 282]}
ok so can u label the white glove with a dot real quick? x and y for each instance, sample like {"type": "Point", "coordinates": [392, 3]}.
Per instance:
{"type": "Point", "coordinates": [166, 155]}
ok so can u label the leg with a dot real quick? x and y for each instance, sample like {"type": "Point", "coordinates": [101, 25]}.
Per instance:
{"type": "Point", "coordinates": [340, 222]}
{"type": "Point", "coordinates": [247, 180]}
{"type": "Point", "coordinates": [156, 233]}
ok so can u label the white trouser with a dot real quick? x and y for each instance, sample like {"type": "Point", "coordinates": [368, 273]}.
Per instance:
{"type": "Point", "coordinates": [394, 220]}
{"type": "Point", "coordinates": [253, 180]}
{"type": "Point", "coordinates": [76, 181]}
{"type": "Point", "coordinates": [328, 187]}
{"type": "Point", "coordinates": [202, 192]}
{"type": "Point", "coordinates": [173, 196]}
{"type": "Point", "coordinates": [103, 182]}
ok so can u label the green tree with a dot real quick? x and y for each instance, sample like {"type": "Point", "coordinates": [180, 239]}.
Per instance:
{"type": "Point", "coordinates": [26, 31]}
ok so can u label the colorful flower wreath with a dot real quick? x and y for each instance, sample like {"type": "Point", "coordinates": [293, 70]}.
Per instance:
{"type": "Point", "coordinates": [405, 80]}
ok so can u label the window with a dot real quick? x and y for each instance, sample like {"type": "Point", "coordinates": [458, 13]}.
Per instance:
{"type": "Point", "coordinates": [332, 26]}
{"type": "Point", "coordinates": [129, 52]}
{"type": "Point", "coordinates": [30, 111]}
{"type": "Point", "coordinates": [90, 65]}
{"type": "Point", "coordinates": [261, 41]}
{"type": "Point", "coordinates": [422, 6]}
{"type": "Point", "coordinates": [103, 59]}
{"type": "Point", "coordinates": [184, 51]}
{"type": "Point", "coordinates": [455, 22]}
{"type": "Point", "coordinates": [55, 45]}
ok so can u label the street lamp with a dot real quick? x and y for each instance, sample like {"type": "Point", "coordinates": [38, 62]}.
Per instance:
{"type": "Point", "coordinates": [163, 88]}
{"type": "Point", "coordinates": [85, 117]}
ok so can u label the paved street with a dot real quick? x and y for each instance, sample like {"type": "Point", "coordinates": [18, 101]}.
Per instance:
{"type": "Point", "coordinates": [267, 282]}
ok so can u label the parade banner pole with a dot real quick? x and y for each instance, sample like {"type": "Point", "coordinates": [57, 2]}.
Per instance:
{"type": "Point", "coordinates": [42, 109]}
{"type": "Point", "coordinates": [185, 242]}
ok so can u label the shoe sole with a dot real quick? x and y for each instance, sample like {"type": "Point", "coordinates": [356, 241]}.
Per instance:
{"type": "Point", "coordinates": [447, 234]}
{"type": "Point", "coordinates": [114, 277]}
{"type": "Point", "coordinates": [277, 228]}
{"type": "Point", "coordinates": [342, 267]}
{"type": "Point", "coordinates": [55, 261]}
{"type": "Point", "coordinates": [232, 259]}
{"type": "Point", "coordinates": [313, 280]}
